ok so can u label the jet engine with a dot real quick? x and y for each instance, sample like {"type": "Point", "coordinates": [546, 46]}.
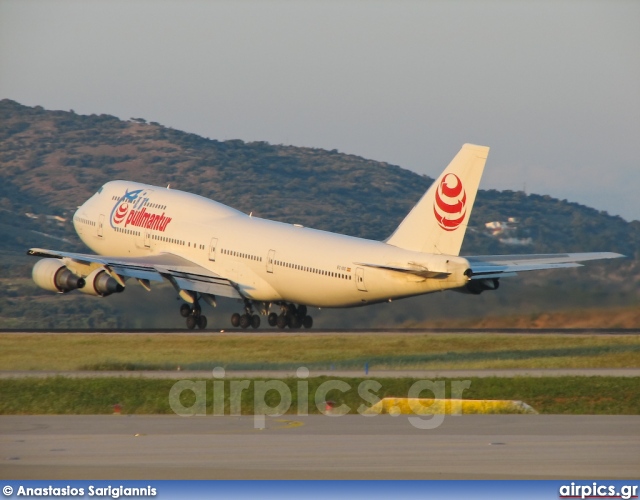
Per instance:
{"type": "Point", "coordinates": [99, 283]}
{"type": "Point", "coordinates": [476, 287]}
{"type": "Point", "coordinates": [53, 275]}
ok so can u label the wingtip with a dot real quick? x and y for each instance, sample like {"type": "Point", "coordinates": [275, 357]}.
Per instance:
{"type": "Point", "coordinates": [612, 255]}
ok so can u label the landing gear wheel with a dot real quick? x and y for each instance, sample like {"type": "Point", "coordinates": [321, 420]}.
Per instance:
{"type": "Point", "coordinates": [255, 321]}
{"type": "Point", "coordinates": [302, 311]}
{"type": "Point", "coordinates": [281, 321]}
{"type": "Point", "coordinates": [191, 322]}
{"type": "Point", "coordinates": [245, 321]}
{"type": "Point", "coordinates": [185, 310]}
{"type": "Point", "coordinates": [272, 319]}
{"type": "Point", "coordinates": [293, 321]}
{"type": "Point", "coordinates": [202, 322]}
{"type": "Point", "coordinates": [235, 320]}
{"type": "Point", "coordinates": [307, 322]}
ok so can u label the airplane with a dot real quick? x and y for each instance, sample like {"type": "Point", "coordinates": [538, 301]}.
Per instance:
{"type": "Point", "coordinates": [207, 250]}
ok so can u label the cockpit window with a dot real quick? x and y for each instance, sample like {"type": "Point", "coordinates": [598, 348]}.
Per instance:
{"type": "Point", "coordinates": [100, 190]}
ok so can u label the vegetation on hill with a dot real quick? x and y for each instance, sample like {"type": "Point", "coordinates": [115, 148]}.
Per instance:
{"type": "Point", "coordinates": [51, 161]}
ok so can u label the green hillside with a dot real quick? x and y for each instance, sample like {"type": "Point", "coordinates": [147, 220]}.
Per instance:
{"type": "Point", "coordinates": [52, 161]}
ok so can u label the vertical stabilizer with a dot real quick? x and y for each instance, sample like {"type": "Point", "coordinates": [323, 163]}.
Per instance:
{"type": "Point", "coordinates": [438, 222]}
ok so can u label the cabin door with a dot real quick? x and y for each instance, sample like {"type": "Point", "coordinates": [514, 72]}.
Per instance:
{"type": "Point", "coordinates": [360, 279]}
{"type": "Point", "coordinates": [212, 249]}
{"type": "Point", "coordinates": [270, 258]}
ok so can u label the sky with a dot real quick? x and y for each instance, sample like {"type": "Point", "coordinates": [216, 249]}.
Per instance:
{"type": "Point", "coordinates": [553, 87]}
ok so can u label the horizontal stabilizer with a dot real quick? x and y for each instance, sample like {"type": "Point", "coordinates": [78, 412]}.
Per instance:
{"type": "Point", "coordinates": [415, 269]}
{"type": "Point", "coordinates": [495, 266]}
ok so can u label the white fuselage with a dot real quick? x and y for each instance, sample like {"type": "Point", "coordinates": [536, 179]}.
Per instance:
{"type": "Point", "coordinates": [270, 261]}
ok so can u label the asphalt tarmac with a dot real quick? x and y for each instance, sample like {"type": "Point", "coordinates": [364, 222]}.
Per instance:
{"type": "Point", "coordinates": [319, 447]}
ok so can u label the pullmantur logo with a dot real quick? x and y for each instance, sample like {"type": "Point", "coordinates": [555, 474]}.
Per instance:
{"type": "Point", "coordinates": [131, 210]}
{"type": "Point", "coordinates": [449, 206]}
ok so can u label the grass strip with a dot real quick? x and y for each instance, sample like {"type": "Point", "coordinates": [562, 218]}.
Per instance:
{"type": "Point", "coordinates": [551, 395]}
{"type": "Point", "coordinates": [390, 361]}
{"type": "Point", "coordinates": [252, 352]}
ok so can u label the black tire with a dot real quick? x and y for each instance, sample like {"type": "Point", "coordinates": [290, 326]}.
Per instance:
{"type": "Point", "coordinates": [235, 320]}
{"type": "Point", "coordinates": [185, 310]}
{"type": "Point", "coordinates": [307, 322]}
{"type": "Point", "coordinates": [302, 311]}
{"type": "Point", "coordinates": [272, 319]}
{"type": "Point", "coordinates": [293, 321]}
{"type": "Point", "coordinates": [191, 322]}
{"type": "Point", "coordinates": [202, 322]}
{"type": "Point", "coordinates": [255, 321]}
{"type": "Point", "coordinates": [245, 321]}
{"type": "Point", "coordinates": [282, 321]}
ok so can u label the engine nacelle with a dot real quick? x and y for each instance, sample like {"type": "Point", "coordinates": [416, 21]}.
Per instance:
{"type": "Point", "coordinates": [99, 283]}
{"type": "Point", "coordinates": [476, 287]}
{"type": "Point", "coordinates": [53, 275]}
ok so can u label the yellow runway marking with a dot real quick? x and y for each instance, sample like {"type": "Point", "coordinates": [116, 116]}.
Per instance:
{"type": "Point", "coordinates": [423, 406]}
{"type": "Point", "coordinates": [288, 424]}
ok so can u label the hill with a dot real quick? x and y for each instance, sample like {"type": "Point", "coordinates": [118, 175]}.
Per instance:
{"type": "Point", "coordinates": [51, 161]}
{"type": "Point", "coordinates": [609, 318]}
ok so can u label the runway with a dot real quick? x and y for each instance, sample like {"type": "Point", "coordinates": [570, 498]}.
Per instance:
{"type": "Point", "coordinates": [319, 447]}
{"type": "Point", "coordinates": [279, 374]}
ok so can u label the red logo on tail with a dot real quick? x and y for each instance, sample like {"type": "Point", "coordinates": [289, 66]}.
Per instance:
{"type": "Point", "coordinates": [450, 205]}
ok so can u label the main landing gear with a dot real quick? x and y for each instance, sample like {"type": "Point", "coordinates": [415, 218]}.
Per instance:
{"type": "Point", "coordinates": [290, 315]}
{"type": "Point", "coordinates": [247, 319]}
{"type": "Point", "coordinates": [194, 315]}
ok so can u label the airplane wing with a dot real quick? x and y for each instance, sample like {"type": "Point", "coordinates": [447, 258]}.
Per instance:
{"type": "Point", "coordinates": [181, 272]}
{"type": "Point", "coordinates": [500, 266]}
